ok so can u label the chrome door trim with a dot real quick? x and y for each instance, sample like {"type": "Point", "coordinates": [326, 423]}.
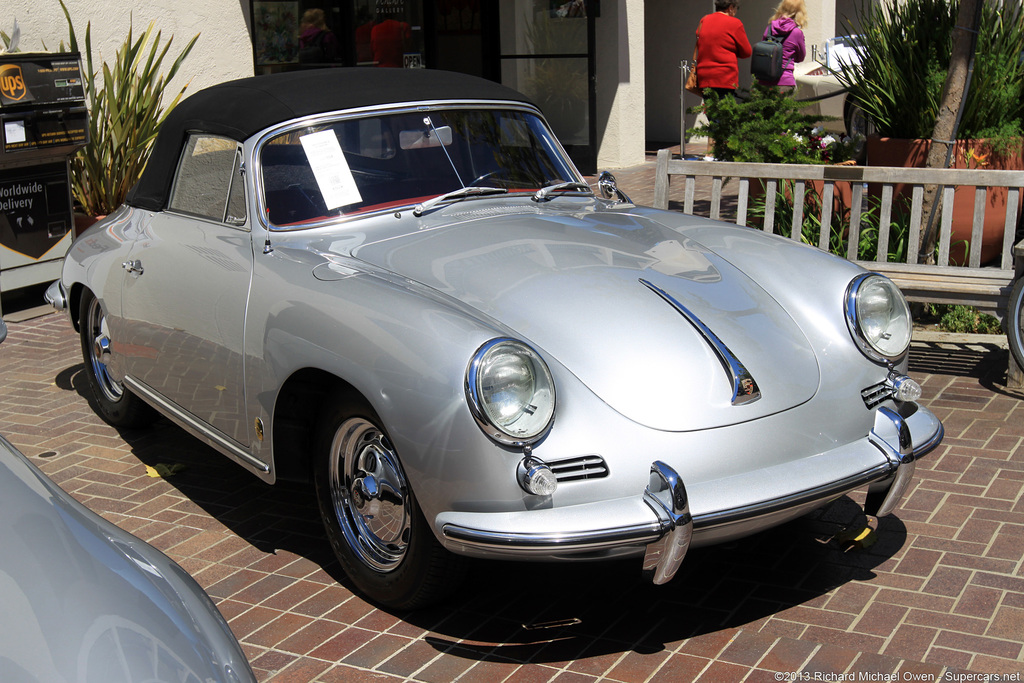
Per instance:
{"type": "Point", "coordinates": [197, 427]}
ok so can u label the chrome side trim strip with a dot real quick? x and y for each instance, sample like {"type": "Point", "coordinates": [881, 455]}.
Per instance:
{"type": "Point", "coordinates": [196, 427]}
{"type": "Point", "coordinates": [744, 387]}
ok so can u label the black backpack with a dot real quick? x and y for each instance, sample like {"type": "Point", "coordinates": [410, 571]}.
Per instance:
{"type": "Point", "coordinates": [766, 58]}
{"type": "Point", "coordinates": [315, 52]}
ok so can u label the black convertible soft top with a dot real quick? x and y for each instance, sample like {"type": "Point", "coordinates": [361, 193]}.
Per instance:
{"type": "Point", "coordinates": [241, 108]}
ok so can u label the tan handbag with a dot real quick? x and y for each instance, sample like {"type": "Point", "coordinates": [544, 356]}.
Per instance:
{"type": "Point", "coordinates": [691, 80]}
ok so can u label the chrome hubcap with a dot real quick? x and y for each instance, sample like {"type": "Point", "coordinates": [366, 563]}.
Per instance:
{"type": "Point", "coordinates": [99, 357]}
{"type": "Point", "coordinates": [370, 494]}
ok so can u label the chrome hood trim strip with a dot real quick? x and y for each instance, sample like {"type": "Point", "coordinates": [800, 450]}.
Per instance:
{"type": "Point", "coordinates": [744, 387]}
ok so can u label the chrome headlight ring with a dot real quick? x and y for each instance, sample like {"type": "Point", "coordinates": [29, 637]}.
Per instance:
{"type": "Point", "coordinates": [878, 317]}
{"type": "Point", "coordinates": [510, 392]}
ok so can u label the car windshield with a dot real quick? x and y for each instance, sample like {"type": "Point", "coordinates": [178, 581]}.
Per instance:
{"type": "Point", "coordinates": [369, 163]}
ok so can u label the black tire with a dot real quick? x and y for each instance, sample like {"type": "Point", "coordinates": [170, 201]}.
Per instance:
{"type": "Point", "coordinates": [109, 397]}
{"type": "Point", "coordinates": [372, 519]}
{"type": "Point", "coordinates": [1015, 322]}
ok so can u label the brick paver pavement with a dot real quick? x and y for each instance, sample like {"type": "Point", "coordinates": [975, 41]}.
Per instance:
{"type": "Point", "coordinates": [939, 592]}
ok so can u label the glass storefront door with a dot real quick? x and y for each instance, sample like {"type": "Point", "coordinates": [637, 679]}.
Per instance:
{"type": "Point", "coordinates": [546, 55]}
{"type": "Point", "coordinates": [542, 48]}
{"type": "Point", "coordinates": [304, 34]}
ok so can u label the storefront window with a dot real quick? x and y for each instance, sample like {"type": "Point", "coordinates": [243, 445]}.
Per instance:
{"type": "Point", "coordinates": [545, 54]}
{"type": "Point", "coordinates": [305, 34]}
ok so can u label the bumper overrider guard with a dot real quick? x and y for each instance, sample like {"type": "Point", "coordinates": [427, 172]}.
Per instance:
{"type": "Point", "coordinates": [667, 536]}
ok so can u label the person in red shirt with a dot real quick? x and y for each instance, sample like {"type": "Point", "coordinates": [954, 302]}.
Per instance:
{"type": "Point", "coordinates": [388, 39]}
{"type": "Point", "coordinates": [721, 43]}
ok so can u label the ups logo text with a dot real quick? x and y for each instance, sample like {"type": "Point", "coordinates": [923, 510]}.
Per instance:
{"type": "Point", "coordinates": [12, 83]}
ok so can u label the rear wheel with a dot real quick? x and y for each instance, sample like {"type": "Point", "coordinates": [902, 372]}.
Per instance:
{"type": "Point", "coordinates": [373, 521]}
{"type": "Point", "coordinates": [112, 401]}
{"type": "Point", "coordinates": [1015, 322]}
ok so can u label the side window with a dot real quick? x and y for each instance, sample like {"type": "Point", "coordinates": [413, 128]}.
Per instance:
{"type": "Point", "coordinates": [208, 183]}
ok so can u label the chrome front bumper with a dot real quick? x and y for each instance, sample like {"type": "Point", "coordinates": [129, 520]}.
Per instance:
{"type": "Point", "coordinates": [56, 296]}
{"type": "Point", "coordinates": [665, 532]}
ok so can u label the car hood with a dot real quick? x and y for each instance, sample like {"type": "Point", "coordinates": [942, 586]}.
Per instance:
{"type": "Point", "coordinates": [654, 323]}
{"type": "Point", "coordinates": [88, 602]}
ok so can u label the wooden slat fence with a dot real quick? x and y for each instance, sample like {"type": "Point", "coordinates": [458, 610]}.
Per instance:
{"type": "Point", "coordinates": [984, 286]}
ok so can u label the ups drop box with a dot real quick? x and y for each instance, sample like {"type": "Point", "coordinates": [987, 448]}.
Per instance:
{"type": "Point", "coordinates": [43, 121]}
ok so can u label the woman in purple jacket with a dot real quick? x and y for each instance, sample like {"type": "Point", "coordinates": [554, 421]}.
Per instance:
{"type": "Point", "coordinates": [789, 19]}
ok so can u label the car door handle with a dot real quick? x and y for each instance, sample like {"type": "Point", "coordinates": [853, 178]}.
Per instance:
{"type": "Point", "coordinates": [133, 267]}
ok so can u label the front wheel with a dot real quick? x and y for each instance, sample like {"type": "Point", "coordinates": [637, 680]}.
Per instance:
{"type": "Point", "coordinates": [115, 404]}
{"type": "Point", "coordinates": [374, 524]}
{"type": "Point", "coordinates": [1015, 322]}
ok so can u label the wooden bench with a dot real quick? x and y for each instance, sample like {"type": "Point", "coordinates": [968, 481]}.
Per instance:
{"type": "Point", "coordinates": [986, 287]}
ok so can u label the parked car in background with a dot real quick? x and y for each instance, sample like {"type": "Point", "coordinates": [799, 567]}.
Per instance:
{"type": "Point", "coordinates": [816, 83]}
{"type": "Point", "coordinates": [85, 602]}
{"type": "Point", "coordinates": [394, 283]}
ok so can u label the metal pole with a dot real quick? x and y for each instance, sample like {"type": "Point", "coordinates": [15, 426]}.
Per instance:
{"type": "Point", "coordinates": [684, 72]}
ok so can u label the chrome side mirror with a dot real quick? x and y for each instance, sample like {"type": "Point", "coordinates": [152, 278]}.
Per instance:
{"type": "Point", "coordinates": [610, 189]}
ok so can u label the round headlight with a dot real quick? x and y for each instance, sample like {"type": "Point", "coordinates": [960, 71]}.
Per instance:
{"type": "Point", "coordinates": [510, 392]}
{"type": "Point", "coordinates": [879, 317]}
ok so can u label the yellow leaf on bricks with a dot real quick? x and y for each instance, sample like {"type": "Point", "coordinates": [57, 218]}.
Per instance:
{"type": "Point", "coordinates": [162, 471]}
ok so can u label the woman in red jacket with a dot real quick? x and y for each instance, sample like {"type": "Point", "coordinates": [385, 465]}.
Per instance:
{"type": "Point", "coordinates": [721, 43]}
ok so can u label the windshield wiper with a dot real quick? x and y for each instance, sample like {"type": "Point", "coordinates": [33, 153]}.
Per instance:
{"type": "Point", "coordinates": [543, 193]}
{"type": "Point", "coordinates": [461, 193]}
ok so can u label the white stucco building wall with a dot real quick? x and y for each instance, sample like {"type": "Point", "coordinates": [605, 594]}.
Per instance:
{"type": "Point", "coordinates": [638, 45]}
{"type": "Point", "coordinates": [223, 51]}
{"type": "Point", "coordinates": [620, 65]}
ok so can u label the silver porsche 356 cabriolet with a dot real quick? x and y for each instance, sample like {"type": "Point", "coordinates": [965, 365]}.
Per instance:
{"type": "Point", "coordinates": [395, 284]}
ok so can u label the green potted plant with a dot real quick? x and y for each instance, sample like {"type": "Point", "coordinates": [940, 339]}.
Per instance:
{"type": "Point", "coordinates": [766, 127]}
{"type": "Point", "coordinates": [126, 108]}
{"type": "Point", "coordinates": [906, 51]}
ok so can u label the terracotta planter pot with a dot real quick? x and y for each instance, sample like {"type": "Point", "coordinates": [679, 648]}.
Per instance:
{"type": "Point", "coordinates": [966, 154]}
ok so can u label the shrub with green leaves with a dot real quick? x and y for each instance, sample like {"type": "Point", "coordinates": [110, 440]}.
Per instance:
{"type": "Point", "coordinates": [126, 109]}
{"type": "Point", "coordinates": [907, 47]}
{"type": "Point", "coordinates": [767, 127]}
{"type": "Point", "coordinates": [963, 319]}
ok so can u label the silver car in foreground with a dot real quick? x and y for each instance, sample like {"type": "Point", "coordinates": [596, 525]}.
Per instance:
{"type": "Point", "coordinates": [82, 601]}
{"type": "Point", "coordinates": [395, 283]}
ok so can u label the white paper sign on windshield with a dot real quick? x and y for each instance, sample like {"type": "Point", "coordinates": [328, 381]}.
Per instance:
{"type": "Point", "coordinates": [333, 176]}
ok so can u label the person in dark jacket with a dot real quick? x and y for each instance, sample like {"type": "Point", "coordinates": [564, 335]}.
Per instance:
{"type": "Point", "coordinates": [317, 43]}
{"type": "Point", "coordinates": [721, 43]}
{"type": "Point", "coordinates": [789, 19]}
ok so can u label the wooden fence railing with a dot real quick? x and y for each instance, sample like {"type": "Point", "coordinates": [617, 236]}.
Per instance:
{"type": "Point", "coordinates": [983, 285]}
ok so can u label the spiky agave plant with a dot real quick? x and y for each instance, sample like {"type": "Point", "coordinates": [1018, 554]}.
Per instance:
{"type": "Point", "coordinates": [126, 109]}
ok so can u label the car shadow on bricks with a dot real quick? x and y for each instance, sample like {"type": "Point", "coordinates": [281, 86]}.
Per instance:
{"type": "Point", "coordinates": [270, 518]}
{"type": "Point", "coordinates": [529, 612]}
{"type": "Point", "coordinates": [548, 613]}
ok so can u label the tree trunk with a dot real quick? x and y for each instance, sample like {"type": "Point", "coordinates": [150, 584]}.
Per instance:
{"type": "Point", "coordinates": [943, 135]}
